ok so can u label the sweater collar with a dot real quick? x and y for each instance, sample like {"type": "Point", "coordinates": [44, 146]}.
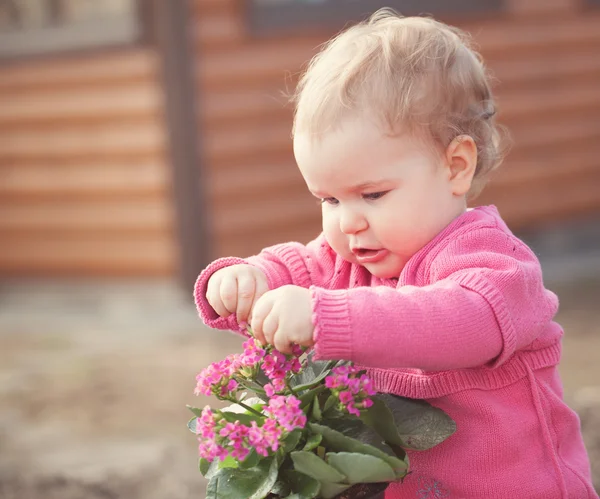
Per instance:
{"type": "Point", "coordinates": [474, 215]}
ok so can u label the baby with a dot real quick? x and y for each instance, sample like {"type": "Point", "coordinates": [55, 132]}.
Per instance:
{"type": "Point", "coordinates": [394, 130]}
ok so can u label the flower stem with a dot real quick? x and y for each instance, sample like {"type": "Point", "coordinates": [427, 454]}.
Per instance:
{"type": "Point", "coordinates": [289, 387]}
{"type": "Point", "coordinates": [247, 407]}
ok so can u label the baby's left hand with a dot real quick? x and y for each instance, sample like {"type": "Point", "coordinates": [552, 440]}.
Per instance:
{"type": "Point", "coordinates": [283, 317]}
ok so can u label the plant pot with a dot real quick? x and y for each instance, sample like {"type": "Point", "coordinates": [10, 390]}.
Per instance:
{"type": "Point", "coordinates": [364, 491]}
{"type": "Point", "coordinates": [358, 491]}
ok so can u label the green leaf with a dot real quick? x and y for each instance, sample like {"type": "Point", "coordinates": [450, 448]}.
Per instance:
{"type": "Point", "coordinates": [361, 468]}
{"type": "Point", "coordinates": [380, 418]}
{"type": "Point", "coordinates": [420, 426]}
{"type": "Point", "coordinates": [313, 371]}
{"type": "Point", "coordinates": [311, 465]}
{"type": "Point", "coordinates": [203, 466]}
{"type": "Point", "coordinates": [255, 387]}
{"type": "Point", "coordinates": [291, 441]}
{"type": "Point", "coordinates": [330, 490]}
{"type": "Point", "coordinates": [313, 441]}
{"type": "Point", "coordinates": [245, 418]}
{"type": "Point", "coordinates": [229, 462]}
{"type": "Point", "coordinates": [308, 396]}
{"type": "Point", "coordinates": [281, 487]}
{"type": "Point", "coordinates": [191, 424]}
{"type": "Point", "coordinates": [303, 486]}
{"type": "Point", "coordinates": [316, 409]}
{"type": "Point", "coordinates": [196, 410]}
{"type": "Point", "coordinates": [213, 469]}
{"type": "Point", "coordinates": [254, 483]}
{"type": "Point", "coordinates": [331, 402]}
{"type": "Point", "coordinates": [352, 435]}
{"type": "Point", "coordinates": [251, 460]}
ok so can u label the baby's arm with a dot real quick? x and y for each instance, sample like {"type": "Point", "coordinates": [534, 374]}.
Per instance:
{"type": "Point", "coordinates": [283, 264]}
{"type": "Point", "coordinates": [483, 305]}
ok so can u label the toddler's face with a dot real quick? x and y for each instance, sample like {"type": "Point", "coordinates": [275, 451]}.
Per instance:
{"type": "Point", "coordinates": [383, 197]}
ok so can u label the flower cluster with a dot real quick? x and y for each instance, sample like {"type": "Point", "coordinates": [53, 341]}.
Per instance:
{"type": "Point", "coordinates": [286, 411]}
{"type": "Point", "coordinates": [352, 388]}
{"type": "Point", "coordinates": [278, 366]}
{"type": "Point", "coordinates": [220, 438]}
{"type": "Point", "coordinates": [219, 378]}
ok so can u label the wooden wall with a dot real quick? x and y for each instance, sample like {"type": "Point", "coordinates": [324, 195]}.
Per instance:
{"type": "Point", "coordinates": [84, 174]}
{"type": "Point", "coordinates": [545, 53]}
{"type": "Point", "coordinates": [84, 183]}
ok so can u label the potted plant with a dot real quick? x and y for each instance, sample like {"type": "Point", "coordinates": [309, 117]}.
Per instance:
{"type": "Point", "coordinates": [301, 429]}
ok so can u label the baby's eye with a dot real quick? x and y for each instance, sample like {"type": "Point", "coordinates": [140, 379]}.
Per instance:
{"type": "Point", "coordinates": [374, 195]}
{"type": "Point", "coordinates": [329, 201]}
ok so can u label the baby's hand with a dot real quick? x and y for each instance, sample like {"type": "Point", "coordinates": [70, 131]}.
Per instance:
{"type": "Point", "coordinates": [283, 317]}
{"type": "Point", "coordinates": [236, 289]}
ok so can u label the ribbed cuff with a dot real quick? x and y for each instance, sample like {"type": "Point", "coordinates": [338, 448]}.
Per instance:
{"type": "Point", "coordinates": [331, 318]}
{"type": "Point", "coordinates": [288, 268]}
{"type": "Point", "coordinates": [206, 312]}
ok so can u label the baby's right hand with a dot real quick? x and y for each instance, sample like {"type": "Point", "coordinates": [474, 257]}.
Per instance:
{"type": "Point", "coordinates": [236, 289]}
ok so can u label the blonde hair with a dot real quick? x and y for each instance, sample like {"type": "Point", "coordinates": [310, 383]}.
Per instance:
{"type": "Point", "coordinates": [412, 74]}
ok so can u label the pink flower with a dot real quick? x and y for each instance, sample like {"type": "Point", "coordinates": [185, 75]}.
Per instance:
{"type": "Point", "coordinates": [346, 397]}
{"type": "Point", "coordinates": [205, 424]}
{"type": "Point", "coordinates": [210, 450]}
{"type": "Point", "coordinates": [286, 411]}
{"type": "Point", "coordinates": [216, 378]}
{"type": "Point", "coordinates": [265, 437]}
{"type": "Point", "coordinates": [253, 353]}
{"type": "Point", "coordinates": [353, 390]}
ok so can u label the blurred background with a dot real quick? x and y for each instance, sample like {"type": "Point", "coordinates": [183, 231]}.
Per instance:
{"type": "Point", "coordinates": [140, 139]}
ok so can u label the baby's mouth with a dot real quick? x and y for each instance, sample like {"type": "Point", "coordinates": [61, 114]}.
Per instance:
{"type": "Point", "coordinates": [369, 255]}
{"type": "Point", "coordinates": [364, 251]}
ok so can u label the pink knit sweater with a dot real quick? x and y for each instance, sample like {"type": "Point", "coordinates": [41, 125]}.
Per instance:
{"type": "Point", "coordinates": [468, 327]}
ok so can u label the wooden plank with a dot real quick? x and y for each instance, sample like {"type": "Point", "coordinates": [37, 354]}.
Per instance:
{"type": "Point", "coordinates": [554, 166]}
{"type": "Point", "coordinates": [96, 254]}
{"type": "Point", "coordinates": [272, 57]}
{"type": "Point", "coordinates": [119, 216]}
{"type": "Point", "coordinates": [551, 135]}
{"type": "Point", "coordinates": [222, 106]}
{"type": "Point", "coordinates": [528, 204]}
{"type": "Point", "coordinates": [121, 101]}
{"type": "Point", "coordinates": [228, 145]}
{"type": "Point", "coordinates": [227, 108]}
{"type": "Point", "coordinates": [248, 179]}
{"type": "Point", "coordinates": [96, 180]}
{"type": "Point", "coordinates": [557, 66]}
{"type": "Point", "coordinates": [221, 28]}
{"type": "Point", "coordinates": [302, 231]}
{"type": "Point", "coordinates": [533, 34]}
{"type": "Point", "coordinates": [107, 67]}
{"type": "Point", "coordinates": [540, 7]}
{"type": "Point", "coordinates": [235, 143]}
{"type": "Point", "coordinates": [551, 101]}
{"type": "Point", "coordinates": [67, 141]}
{"type": "Point", "coordinates": [279, 209]}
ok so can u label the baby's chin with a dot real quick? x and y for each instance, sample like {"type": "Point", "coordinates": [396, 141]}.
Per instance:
{"type": "Point", "coordinates": [391, 268]}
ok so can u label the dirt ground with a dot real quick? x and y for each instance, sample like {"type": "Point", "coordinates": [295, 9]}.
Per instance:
{"type": "Point", "coordinates": [94, 380]}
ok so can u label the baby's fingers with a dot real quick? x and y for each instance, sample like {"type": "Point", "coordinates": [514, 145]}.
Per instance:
{"type": "Point", "coordinates": [260, 318]}
{"type": "Point", "coordinates": [228, 294]}
{"type": "Point", "coordinates": [213, 296]}
{"type": "Point", "coordinates": [262, 286]}
{"type": "Point", "coordinates": [246, 290]}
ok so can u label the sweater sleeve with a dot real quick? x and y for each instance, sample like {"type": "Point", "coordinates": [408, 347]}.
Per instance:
{"type": "Point", "coordinates": [486, 300]}
{"type": "Point", "coordinates": [283, 264]}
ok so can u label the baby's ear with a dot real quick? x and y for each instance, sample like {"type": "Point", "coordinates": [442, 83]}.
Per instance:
{"type": "Point", "coordinates": [461, 161]}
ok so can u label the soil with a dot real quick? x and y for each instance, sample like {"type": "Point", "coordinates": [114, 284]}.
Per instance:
{"type": "Point", "coordinates": [94, 380]}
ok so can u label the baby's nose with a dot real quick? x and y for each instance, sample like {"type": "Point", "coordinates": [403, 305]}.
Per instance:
{"type": "Point", "coordinates": [352, 221]}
